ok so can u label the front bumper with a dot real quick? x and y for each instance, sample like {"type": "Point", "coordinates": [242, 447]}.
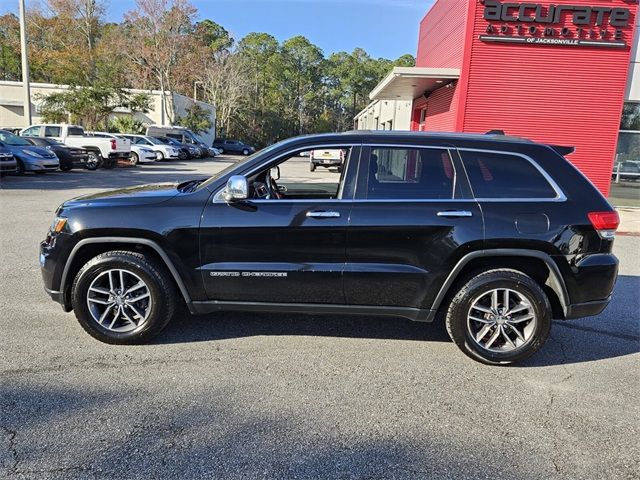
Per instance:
{"type": "Point", "coordinates": [8, 167]}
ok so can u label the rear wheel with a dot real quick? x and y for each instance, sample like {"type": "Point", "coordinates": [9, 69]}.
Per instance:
{"type": "Point", "coordinates": [93, 161]}
{"type": "Point", "coordinates": [499, 317]}
{"type": "Point", "coordinates": [245, 152]}
{"type": "Point", "coordinates": [123, 297]}
{"type": "Point", "coordinates": [312, 167]}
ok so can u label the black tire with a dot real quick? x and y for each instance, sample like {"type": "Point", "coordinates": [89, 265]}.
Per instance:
{"type": "Point", "coordinates": [160, 286]}
{"type": "Point", "coordinates": [245, 152]}
{"type": "Point", "coordinates": [183, 155]}
{"type": "Point", "coordinates": [66, 167]}
{"type": "Point", "coordinates": [93, 161]}
{"type": "Point", "coordinates": [460, 307]}
{"type": "Point", "coordinates": [312, 167]}
{"type": "Point", "coordinates": [133, 159]}
{"type": "Point", "coordinates": [159, 156]}
{"type": "Point", "coordinates": [20, 167]}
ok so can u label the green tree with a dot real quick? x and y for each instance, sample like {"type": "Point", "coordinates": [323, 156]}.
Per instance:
{"type": "Point", "coordinates": [197, 119]}
{"type": "Point", "coordinates": [126, 124]}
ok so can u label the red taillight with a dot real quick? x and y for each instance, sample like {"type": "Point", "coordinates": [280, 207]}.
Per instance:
{"type": "Point", "coordinates": [113, 144]}
{"type": "Point", "coordinates": [606, 223]}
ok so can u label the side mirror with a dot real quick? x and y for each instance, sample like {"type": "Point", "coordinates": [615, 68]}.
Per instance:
{"type": "Point", "coordinates": [275, 173]}
{"type": "Point", "coordinates": [237, 189]}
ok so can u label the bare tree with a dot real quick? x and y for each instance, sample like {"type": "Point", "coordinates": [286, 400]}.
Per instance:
{"type": "Point", "coordinates": [225, 81]}
{"type": "Point", "coordinates": [156, 33]}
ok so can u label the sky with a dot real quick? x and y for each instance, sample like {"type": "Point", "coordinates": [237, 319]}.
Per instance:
{"type": "Point", "coordinates": [384, 28]}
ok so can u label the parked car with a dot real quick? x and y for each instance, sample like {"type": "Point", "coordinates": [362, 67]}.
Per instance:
{"type": "Point", "coordinates": [69, 157]}
{"type": "Point", "coordinates": [327, 157]}
{"type": "Point", "coordinates": [29, 158]}
{"type": "Point", "coordinates": [185, 151]}
{"type": "Point", "coordinates": [141, 154]}
{"type": "Point", "coordinates": [8, 162]}
{"type": "Point", "coordinates": [101, 151]}
{"type": "Point", "coordinates": [233, 146]}
{"type": "Point", "coordinates": [163, 151]}
{"type": "Point", "coordinates": [496, 235]}
{"type": "Point", "coordinates": [181, 134]}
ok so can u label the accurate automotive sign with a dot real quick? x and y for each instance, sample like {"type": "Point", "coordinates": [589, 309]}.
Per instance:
{"type": "Point", "coordinates": [571, 25]}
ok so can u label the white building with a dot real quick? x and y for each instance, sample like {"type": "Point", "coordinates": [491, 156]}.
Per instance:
{"type": "Point", "coordinates": [385, 115]}
{"type": "Point", "coordinates": [12, 106]}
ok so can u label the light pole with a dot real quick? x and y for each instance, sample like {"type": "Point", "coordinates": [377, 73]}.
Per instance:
{"type": "Point", "coordinates": [195, 90]}
{"type": "Point", "coordinates": [25, 64]}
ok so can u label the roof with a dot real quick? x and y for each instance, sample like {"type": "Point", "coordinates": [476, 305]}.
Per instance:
{"type": "Point", "coordinates": [407, 83]}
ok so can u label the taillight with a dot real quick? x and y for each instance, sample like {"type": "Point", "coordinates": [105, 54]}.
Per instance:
{"type": "Point", "coordinates": [605, 223]}
{"type": "Point", "coordinates": [113, 144]}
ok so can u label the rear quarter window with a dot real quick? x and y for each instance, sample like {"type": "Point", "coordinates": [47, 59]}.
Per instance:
{"type": "Point", "coordinates": [502, 175]}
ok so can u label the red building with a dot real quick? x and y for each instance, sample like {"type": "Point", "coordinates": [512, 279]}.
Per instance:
{"type": "Point", "coordinates": [554, 72]}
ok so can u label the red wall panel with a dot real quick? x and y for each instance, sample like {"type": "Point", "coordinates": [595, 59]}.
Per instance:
{"type": "Point", "coordinates": [441, 38]}
{"type": "Point", "coordinates": [567, 95]}
{"type": "Point", "coordinates": [441, 110]}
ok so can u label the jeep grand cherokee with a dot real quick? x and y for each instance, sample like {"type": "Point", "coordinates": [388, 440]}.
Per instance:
{"type": "Point", "coordinates": [493, 234]}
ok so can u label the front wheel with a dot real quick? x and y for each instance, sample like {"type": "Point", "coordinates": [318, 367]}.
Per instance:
{"type": "Point", "coordinates": [499, 317]}
{"type": "Point", "coordinates": [133, 159]}
{"type": "Point", "coordinates": [123, 297]}
{"type": "Point", "coordinates": [245, 152]}
{"type": "Point", "coordinates": [159, 156]}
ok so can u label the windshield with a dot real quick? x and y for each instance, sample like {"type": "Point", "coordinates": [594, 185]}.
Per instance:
{"type": "Point", "coordinates": [11, 139]}
{"type": "Point", "coordinates": [154, 141]}
{"type": "Point", "coordinates": [239, 164]}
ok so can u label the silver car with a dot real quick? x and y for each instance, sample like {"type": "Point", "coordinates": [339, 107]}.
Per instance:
{"type": "Point", "coordinates": [29, 158]}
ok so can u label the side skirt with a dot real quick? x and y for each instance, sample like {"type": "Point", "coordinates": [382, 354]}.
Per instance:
{"type": "Point", "coordinates": [414, 314]}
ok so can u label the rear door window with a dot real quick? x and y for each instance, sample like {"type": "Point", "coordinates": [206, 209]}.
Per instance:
{"type": "Point", "coordinates": [410, 174]}
{"type": "Point", "coordinates": [75, 132]}
{"type": "Point", "coordinates": [50, 131]}
{"type": "Point", "coordinates": [502, 175]}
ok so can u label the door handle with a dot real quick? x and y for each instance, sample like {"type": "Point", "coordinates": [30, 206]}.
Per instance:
{"type": "Point", "coordinates": [322, 214]}
{"type": "Point", "coordinates": [455, 213]}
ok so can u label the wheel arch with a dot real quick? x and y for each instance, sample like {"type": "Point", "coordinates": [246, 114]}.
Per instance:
{"type": "Point", "coordinates": [88, 248]}
{"type": "Point", "coordinates": [538, 265]}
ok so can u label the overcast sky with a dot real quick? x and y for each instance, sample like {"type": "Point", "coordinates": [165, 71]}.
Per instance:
{"type": "Point", "coordinates": [384, 28]}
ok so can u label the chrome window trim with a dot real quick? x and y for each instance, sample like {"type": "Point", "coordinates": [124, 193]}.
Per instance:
{"type": "Point", "coordinates": [269, 164]}
{"type": "Point", "coordinates": [560, 196]}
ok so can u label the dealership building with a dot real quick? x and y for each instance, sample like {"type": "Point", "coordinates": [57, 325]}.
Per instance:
{"type": "Point", "coordinates": [556, 72]}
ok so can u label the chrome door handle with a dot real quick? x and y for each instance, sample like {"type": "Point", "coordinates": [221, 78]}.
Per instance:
{"type": "Point", "coordinates": [323, 214]}
{"type": "Point", "coordinates": [455, 213]}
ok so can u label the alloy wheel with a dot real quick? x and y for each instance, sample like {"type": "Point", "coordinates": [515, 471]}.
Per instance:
{"type": "Point", "coordinates": [501, 320]}
{"type": "Point", "coordinates": [119, 300]}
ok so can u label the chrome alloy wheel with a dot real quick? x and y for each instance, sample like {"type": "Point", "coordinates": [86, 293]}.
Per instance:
{"type": "Point", "coordinates": [501, 320]}
{"type": "Point", "coordinates": [119, 300]}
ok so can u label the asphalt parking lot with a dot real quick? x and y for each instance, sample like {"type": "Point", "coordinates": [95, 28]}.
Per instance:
{"type": "Point", "coordinates": [246, 395]}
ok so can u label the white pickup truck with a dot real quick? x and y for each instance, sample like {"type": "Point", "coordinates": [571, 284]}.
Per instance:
{"type": "Point", "coordinates": [102, 151]}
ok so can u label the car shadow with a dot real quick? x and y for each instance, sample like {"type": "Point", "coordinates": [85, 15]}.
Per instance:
{"type": "Point", "coordinates": [614, 333]}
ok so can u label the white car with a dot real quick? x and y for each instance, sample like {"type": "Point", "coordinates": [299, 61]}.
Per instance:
{"type": "Point", "coordinates": [140, 153]}
{"type": "Point", "coordinates": [163, 151]}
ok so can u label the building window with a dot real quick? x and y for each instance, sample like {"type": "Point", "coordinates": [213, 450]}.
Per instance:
{"type": "Point", "coordinates": [630, 117]}
{"type": "Point", "coordinates": [423, 115]}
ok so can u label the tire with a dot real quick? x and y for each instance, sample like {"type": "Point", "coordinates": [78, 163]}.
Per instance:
{"type": "Point", "coordinates": [128, 328]}
{"type": "Point", "coordinates": [245, 152]}
{"type": "Point", "coordinates": [93, 161]}
{"type": "Point", "coordinates": [221, 150]}
{"type": "Point", "coordinates": [312, 167]}
{"type": "Point", "coordinates": [159, 156]}
{"type": "Point", "coordinates": [133, 159]}
{"type": "Point", "coordinates": [183, 155]}
{"type": "Point", "coordinates": [20, 167]}
{"type": "Point", "coordinates": [477, 292]}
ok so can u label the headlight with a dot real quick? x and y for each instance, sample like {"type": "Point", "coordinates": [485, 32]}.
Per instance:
{"type": "Point", "coordinates": [33, 153]}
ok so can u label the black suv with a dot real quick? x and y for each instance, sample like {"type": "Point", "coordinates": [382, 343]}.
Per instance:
{"type": "Point", "coordinates": [496, 235]}
{"type": "Point", "coordinates": [233, 146]}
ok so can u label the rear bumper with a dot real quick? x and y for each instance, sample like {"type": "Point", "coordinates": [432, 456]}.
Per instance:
{"type": "Point", "coordinates": [119, 155]}
{"type": "Point", "coordinates": [587, 309]}
{"type": "Point", "coordinates": [326, 162]}
{"type": "Point", "coordinates": [590, 283]}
